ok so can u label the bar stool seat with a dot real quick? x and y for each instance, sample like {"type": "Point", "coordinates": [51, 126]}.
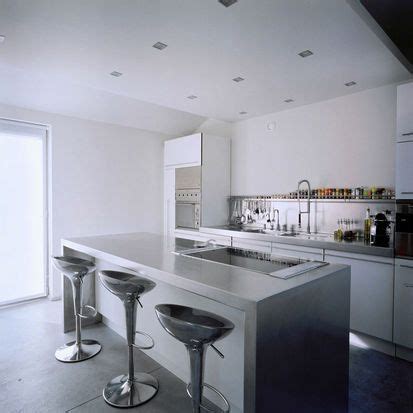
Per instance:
{"type": "Point", "coordinates": [132, 389]}
{"type": "Point", "coordinates": [75, 269]}
{"type": "Point", "coordinates": [197, 329]}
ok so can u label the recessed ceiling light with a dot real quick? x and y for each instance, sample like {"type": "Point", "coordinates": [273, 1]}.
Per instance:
{"type": "Point", "coordinates": [2, 38]}
{"type": "Point", "coordinates": [116, 74]}
{"type": "Point", "coordinates": [243, 113]}
{"type": "Point", "coordinates": [305, 53]}
{"type": "Point", "coordinates": [160, 45]}
{"type": "Point", "coordinates": [238, 79]}
{"type": "Point", "coordinates": [227, 3]}
{"type": "Point", "coordinates": [288, 100]}
{"type": "Point", "coordinates": [352, 83]}
{"type": "Point", "coordinates": [192, 97]}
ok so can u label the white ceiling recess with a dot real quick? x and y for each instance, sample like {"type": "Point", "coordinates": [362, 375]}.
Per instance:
{"type": "Point", "coordinates": [77, 44]}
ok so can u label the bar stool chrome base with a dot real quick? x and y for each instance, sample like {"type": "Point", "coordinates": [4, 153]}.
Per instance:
{"type": "Point", "coordinates": [72, 352]}
{"type": "Point", "coordinates": [122, 392]}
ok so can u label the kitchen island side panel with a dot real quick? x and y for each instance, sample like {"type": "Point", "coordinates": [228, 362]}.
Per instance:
{"type": "Point", "coordinates": [302, 362]}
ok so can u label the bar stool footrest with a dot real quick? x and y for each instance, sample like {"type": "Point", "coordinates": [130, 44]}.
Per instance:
{"type": "Point", "coordinates": [148, 347]}
{"type": "Point", "coordinates": [87, 312]}
{"type": "Point", "coordinates": [217, 392]}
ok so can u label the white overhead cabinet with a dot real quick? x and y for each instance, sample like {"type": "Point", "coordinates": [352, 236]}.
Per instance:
{"type": "Point", "coordinates": [404, 150]}
{"type": "Point", "coordinates": [185, 151]}
{"type": "Point", "coordinates": [405, 112]}
{"type": "Point", "coordinates": [212, 154]}
{"type": "Point", "coordinates": [403, 303]}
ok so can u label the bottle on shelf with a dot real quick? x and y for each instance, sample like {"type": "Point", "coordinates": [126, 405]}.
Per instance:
{"type": "Point", "coordinates": [367, 226]}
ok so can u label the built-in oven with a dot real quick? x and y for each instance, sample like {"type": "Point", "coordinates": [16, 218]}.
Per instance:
{"type": "Point", "coordinates": [404, 229]}
{"type": "Point", "coordinates": [188, 197]}
{"type": "Point", "coordinates": [187, 208]}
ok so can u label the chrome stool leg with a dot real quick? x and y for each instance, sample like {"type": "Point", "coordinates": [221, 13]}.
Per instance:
{"type": "Point", "coordinates": [78, 350]}
{"type": "Point", "coordinates": [194, 389]}
{"type": "Point", "coordinates": [132, 389]}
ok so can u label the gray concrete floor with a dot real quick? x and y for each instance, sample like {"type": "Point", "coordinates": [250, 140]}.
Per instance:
{"type": "Point", "coordinates": [31, 380]}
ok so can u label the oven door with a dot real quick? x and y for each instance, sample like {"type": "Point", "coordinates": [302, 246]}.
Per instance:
{"type": "Point", "coordinates": [187, 215]}
{"type": "Point", "coordinates": [404, 231]}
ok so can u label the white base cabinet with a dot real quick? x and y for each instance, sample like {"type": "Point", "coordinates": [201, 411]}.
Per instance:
{"type": "Point", "coordinates": [403, 303]}
{"type": "Point", "coordinates": [371, 310]}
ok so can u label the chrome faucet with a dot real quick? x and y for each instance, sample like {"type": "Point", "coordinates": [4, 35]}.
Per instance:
{"type": "Point", "coordinates": [278, 219]}
{"type": "Point", "coordinates": [308, 204]}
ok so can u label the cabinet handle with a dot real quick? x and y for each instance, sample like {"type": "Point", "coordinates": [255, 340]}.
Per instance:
{"type": "Point", "coordinates": [408, 285]}
{"type": "Point", "coordinates": [406, 266]}
{"type": "Point", "coordinates": [407, 134]}
{"type": "Point", "coordinates": [406, 192]}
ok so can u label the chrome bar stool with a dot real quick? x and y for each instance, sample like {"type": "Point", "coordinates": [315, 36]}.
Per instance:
{"type": "Point", "coordinates": [197, 329]}
{"type": "Point", "coordinates": [75, 269]}
{"type": "Point", "coordinates": [130, 389]}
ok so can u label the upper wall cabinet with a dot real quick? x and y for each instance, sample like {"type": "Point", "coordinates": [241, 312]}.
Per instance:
{"type": "Point", "coordinates": [184, 151]}
{"type": "Point", "coordinates": [405, 112]}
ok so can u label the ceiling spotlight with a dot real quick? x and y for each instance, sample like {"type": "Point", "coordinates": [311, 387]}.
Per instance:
{"type": "Point", "coordinates": [243, 113]}
{"type": "Point", "coordinates": [2, 38]}
{"type": "Point", "coordinates": [238, 79]}
{"type": "Point", "coordinates": [160, 45]}
{"type": "Point", "coordinates": [191, 97]}
{"type": "Point", "coordinates": [116, 74]}
{"type": "Point", "coordinates": [227, 3]}
{"type": "Point", "coordinates": [305, 53]}
{"type": "Point", "coordinates": [288, 100]}
{"type": "Point", "coordinates": [352, 83]}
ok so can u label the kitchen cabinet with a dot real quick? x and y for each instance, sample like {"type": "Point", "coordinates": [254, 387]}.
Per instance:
{"type": "Point", "coordinates": [185, 151]}
{"type": "Point", "coordinates": [372, 280]}
{"type": "Point", "coordinates": [403, 303]}
{"type": "Point", "coordinates": [296, 251]}
{"type": "Point", "coordinates": [404, 170]}
{"type": "Point", "coordinates": [198, 236]}
{"type": "Point", "coordinates": [405, 112]}
{"type": "Point", "coordinates": [213, 155]}
{"type": "Point", "coordinates": [252, 244]}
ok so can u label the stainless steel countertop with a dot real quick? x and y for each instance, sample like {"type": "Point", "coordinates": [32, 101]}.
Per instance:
{"type": "Point", "coordinates": [154, 255]}
{"type": "Point", "coordinates": [322, 241]}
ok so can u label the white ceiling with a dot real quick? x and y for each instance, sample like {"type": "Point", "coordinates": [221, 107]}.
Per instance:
{"type": "Point", "coordinates": [74, 45]}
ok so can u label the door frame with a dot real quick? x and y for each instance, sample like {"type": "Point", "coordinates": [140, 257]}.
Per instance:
{"type": "Point", "coordinates": [46, 150]}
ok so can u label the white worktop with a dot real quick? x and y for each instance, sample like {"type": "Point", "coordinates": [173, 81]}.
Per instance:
{"type": "Point", "coordinates": [154, 255]}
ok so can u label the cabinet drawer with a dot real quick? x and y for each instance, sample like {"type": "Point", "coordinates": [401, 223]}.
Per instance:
{"type": "Point", "coordinates": [255, 245]}
{"type": "Point", "coordinates": [196, 236]}
{"type": "Point", "coordinates": [296, 251]}
{"type": "Point", "coordinates": [403, 303]}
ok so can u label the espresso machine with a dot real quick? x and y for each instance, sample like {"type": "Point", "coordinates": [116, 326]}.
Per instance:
{"type": "Point", "coordinates": [380, 230]}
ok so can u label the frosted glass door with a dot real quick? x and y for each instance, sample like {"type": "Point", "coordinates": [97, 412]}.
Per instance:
{"type": "Point", "coordinates": [22, 217]}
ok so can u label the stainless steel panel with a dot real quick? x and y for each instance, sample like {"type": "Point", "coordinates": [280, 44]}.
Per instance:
{"type": "Point", "coordinates": [188, 178]}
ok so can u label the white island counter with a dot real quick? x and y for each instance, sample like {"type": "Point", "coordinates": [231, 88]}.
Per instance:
{"type": "Point", "coordinates": [289, 349]}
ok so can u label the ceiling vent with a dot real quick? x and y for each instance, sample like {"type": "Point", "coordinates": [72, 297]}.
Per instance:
{"type": "Point", "coordinates": [191, 97]}
{"type": "Point", "coordinates": [288, 100]}
{"type": "Point", "coordinates": [116, 74]}
{"type": "Point", "coordinates": [243, 113]}
{"type": "Point", "coordinates": [227, 3]}
{"type": "Point", "coordinates": [238, 79]}
{"type": "Point", "coordinates": [352, 83]}
{"type": "Point", "coordinates": [160, 45]}
{"type": "Point", "coordinates": [305, 53]}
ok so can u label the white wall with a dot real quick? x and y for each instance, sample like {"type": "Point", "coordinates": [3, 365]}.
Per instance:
{"type": "Point", "coordinates": [348, 141]}
{"type": "Point", "coordinates": [105, 178]}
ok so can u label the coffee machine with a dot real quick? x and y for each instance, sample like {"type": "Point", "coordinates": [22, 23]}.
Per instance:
{"type": "Point", "coordinates": [380, 230]}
